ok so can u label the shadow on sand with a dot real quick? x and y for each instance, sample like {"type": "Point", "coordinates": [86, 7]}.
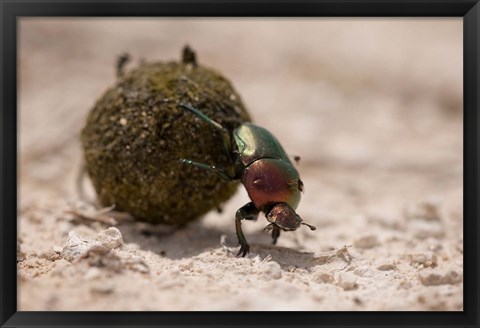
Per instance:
{"type": "Point", "coordinates": [196, 238]}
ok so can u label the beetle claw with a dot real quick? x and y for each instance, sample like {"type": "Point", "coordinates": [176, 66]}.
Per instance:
{"type": "Point", "coordinates": [244, 250]}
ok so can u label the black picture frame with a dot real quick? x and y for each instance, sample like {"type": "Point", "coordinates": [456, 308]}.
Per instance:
{"type": "Point", "coordinates": [10, 11]}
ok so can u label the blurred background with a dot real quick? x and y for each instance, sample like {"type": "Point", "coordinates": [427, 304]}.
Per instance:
{"type": "Point", "coordinates": [372, 106]}
{"type": "Point", "coordinates": [376, 93]}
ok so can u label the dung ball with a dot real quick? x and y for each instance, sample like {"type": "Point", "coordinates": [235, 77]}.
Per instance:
{"type": "Point", "coordinates": [136, 133]}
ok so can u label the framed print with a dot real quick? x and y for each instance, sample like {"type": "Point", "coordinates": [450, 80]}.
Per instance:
{"type": "Point", "coordinates": [221, 163]}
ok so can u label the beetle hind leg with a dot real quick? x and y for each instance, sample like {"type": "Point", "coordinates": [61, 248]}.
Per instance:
{"type": "Point", "coordinates": [122, 60]}
{"type": "Point", "coordinates": [223, 131]}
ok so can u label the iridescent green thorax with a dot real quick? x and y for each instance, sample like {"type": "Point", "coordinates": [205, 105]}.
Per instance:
{"type": "Point", "coordinates": [270, 181]}
{"type": "Point", "coordinates": [254, 142]}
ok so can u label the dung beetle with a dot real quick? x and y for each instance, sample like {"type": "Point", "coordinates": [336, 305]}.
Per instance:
{"type": "Point", "coordinates": [272, 182]}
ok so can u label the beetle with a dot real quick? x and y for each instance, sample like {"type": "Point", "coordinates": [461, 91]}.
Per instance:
{"type": "Point", "coordinates": [272, 182]}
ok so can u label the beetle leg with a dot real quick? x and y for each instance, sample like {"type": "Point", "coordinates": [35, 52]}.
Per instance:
{"type": "Point", "coordinates": [227, 142]}
{"type": "Point", "coordinates": [220, 172]}
{"type": "Point", "coordinates": [275, 234]}
{"type": "Point", "coordinates": [246, 212]}
{"type": "Point", "coordinates": [122, 60]}
{"type": "Point", "coordinates": [189, 56]}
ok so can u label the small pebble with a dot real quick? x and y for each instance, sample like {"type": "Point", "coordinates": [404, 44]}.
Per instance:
{"type": "Point", "coordinates": [76, 246]}
{"type": "Point", "coordinates": [386, 266]}
{"type": "Point", "coordinates": [110, 238]}
{"type": "Point", "coordinates": [435, 278]}
{"type": "Point", "coordinates": [271, 270]}
{"type": "Point", "coordinates": [366, 242]}
{"type": "Point", "coordinates": [323, 277]}
{"type": "Point", "coordinates": [426, 260]}
{"type": "Point", "coordinates": [347, 281]}
{"type": "Point", "coordinates": [363, 272]}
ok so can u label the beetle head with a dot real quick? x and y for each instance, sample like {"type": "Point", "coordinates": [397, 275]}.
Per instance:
{"type": "Point", "coordinates": [284, 217]}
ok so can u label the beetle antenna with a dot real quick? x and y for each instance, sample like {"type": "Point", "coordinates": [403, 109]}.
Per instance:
{"type": "Point", "coordinates": [310, 226]}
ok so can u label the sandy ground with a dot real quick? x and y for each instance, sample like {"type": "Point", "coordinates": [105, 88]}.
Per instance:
{"type": "Point", "coordinates": [374, 109]}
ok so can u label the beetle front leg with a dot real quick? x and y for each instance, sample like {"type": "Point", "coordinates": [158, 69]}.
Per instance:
{"type": "Point", "coordinates": [246, 212]}
{"type": "Point", "coordinates": [275, 234]}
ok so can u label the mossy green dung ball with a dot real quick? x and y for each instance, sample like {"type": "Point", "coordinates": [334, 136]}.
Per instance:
{"type": "Point", "coordinates": [136, 133]}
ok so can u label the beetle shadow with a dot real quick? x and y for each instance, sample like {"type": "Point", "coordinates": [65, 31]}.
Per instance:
{"type": "Point", "coordinates": [196, 238]}
{"type": "Point", "coordinates": [288, 258]}
{"type": "Point", "coordinates": [172, 241]}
